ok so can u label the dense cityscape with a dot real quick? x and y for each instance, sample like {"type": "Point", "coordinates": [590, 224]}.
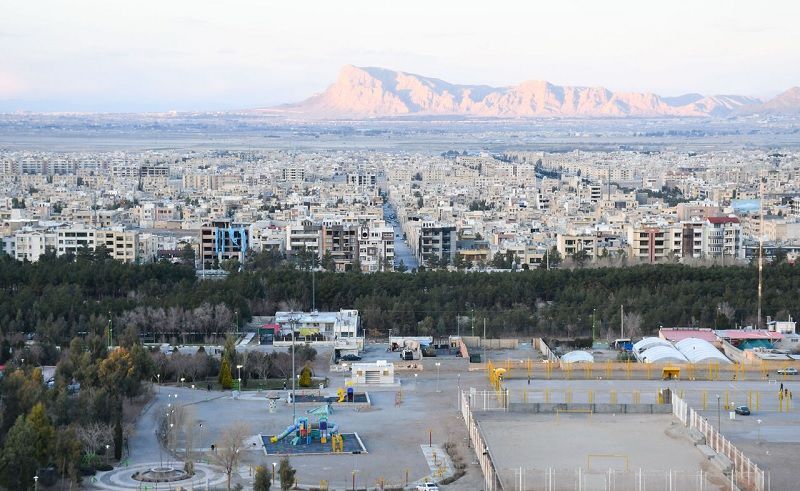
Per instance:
{"type": "Point", "coordinates": [417, 246]}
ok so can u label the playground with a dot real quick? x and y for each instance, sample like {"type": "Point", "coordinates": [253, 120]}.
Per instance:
{"type": "Point", "coordinates": [317, 436]}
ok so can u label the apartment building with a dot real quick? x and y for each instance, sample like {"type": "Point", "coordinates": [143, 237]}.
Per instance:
{"type": "Point", "coordinates": [650, 243]}
{"type": "Point", "coordinates": [71, 239]}
{"type": "Point", "coordinates": [376, 247]}
{"type": "Point", "coordinates": [122, 245]}
{"type": "Point", "coordinates": [222, 240]}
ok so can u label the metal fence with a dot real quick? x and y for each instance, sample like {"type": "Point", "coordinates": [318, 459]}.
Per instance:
{"type": "Point", "coordinates": [746, 474]}
{"type": "Point", "coordinates": [580, 479]}
{"type": "Point", "coordinates": [466, 401]}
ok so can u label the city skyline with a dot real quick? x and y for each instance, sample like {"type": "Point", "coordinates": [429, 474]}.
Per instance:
{"type": "Point", "coordinates": [89, 57]}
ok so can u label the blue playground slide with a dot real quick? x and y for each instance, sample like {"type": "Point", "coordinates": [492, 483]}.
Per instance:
{"type": "Point", "coordinates": [288, 431]}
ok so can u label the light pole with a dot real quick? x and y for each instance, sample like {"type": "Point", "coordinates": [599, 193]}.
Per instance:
{"type": "Point", "coordinates": [36, 483]}
{"type": "Point", "coordinates": [274, 464]}
{"type": "Point", "coordinates": [183, 379]}
{"type": "Point", "coordinates": [719, 417]}
{"type": "Point", "coordinates": [293, 323]}
{"type": "Point", "coordinates": [239, 367]}
{"type": "Point", "coordinates": [107, 447]}
{"type": "Point", "coordinates": [437, 376]}
{"type": "Point", "coordinates": [758, 440]}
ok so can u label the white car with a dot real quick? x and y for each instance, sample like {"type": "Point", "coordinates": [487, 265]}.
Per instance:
{"type": "Point", "coordinates": [427, 486]}
{"type": "Point", "coordinates": [787, 371]}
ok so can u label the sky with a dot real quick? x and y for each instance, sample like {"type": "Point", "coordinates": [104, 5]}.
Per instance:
{"type": "Point", "coordinates": [146, 55]}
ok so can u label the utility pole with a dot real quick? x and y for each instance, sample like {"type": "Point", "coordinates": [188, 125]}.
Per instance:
{"type": "Point", "coordinates": [622, 322]}
{"type": "Point", "coordinates": [594, 311]}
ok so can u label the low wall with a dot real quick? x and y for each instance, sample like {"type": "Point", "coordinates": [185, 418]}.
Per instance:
{"type": "Point", "coordinates": [500, 343]}
{"type": "Point", "coordinates": [554, 407]}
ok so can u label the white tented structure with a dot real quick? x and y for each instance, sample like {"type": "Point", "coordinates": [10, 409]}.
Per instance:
{"type": "Point", "coordinates": [661, 354]}
{"type": "Point", "coordinates": [577, 356]}
{"type": "Point", "coordinates": [647, 343]}
{"type": "Point", "coordinates": [700, 351]}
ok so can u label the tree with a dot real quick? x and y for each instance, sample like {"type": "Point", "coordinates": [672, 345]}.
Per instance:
{"type": "Point", "coordinates": [401, 268]}
{"type": "Point", "coordinates": [305, 376]}
{"type": "Point", "coordinates": [187, 254]}
{"type": "Point", "coordinates": [327, 262]}
{"type": "Point", "coordinates": [44, 434]}
{"type": "Point", "coordinates": [18, 464]}
{"type": "Point", "coordinates": [101, 253]}
{"type": "Point", "coordinates": [287, 474]}
{"type": "Point", "coordinates": [262, 481]}
{"type": "Point", "coordinates": [225, 378]}
{"type": "Point", "coordinates": [552, 258]}
{"type": "Point", "coordinates": [581, 257]}
{"type": "Point", "coordinates": [67, 450]}
{"type": "Point", "coordinates": [229, 447]}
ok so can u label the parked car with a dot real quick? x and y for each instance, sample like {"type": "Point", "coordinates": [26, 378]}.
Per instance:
{"type": "Point", "coordinates": [743, 410]}
{"type": "Point", "coordinates": [787, 371]}
{"type": "Point", "coordinates": [351, 357]}
{"type": "Point", "coordinates": [427, 486]}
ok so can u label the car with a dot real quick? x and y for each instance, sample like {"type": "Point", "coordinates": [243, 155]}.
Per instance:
{"type": "Point", "coordinates": [787, 371]}
{"type": "Point", "coordinates": [351, 358]}
{"type": "Point", "coordinates": [743, 410]}
{"type": "Point", "coordinates": [427, 486]}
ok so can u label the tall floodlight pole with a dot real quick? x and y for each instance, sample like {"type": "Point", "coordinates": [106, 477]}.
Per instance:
{"type": "Point", "coordinates": [293, 323]}
{"type": "Point", "coordinates": [760, 246]}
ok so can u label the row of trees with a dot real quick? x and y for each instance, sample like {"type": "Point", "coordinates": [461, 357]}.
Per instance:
{"type": "Point", "coordinates": [167, 302]}
{"type": "Point", "coordinates": [63, 423]}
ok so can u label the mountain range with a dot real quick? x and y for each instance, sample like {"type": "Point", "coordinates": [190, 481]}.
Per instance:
{"type": "Point", "coordinates": [371, 92]}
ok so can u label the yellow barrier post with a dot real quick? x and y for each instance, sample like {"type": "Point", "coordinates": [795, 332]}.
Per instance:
{"type": "Point", "coordinates": [628, 369]}
{"type": "Point", "coordinates": [613, 397]}
{"type": "Point", "coordinates": [568, 396]}
{"type": "Point", "coordinates": [727, 403]}
{"type": "Point", "coordinates": [547, 394]}
{"type": "Point", "coordinates": [758, 400]}
{"type": "Point", "coordinates": [591, 397]}
{"type": "Point", "coordinates": [608, 369]}
{"type": "Point", "coordinates": [568, 368]}
{"type": "Point", "coordinates": [705, 400]}
{"type": "Point", "coordinates": [648, 367]}
{"type": "Point", "coordinates": [636, 397]}
{"type": "Point", "coordinates": [691, 371]}
{"type": "Point", "coordinates": [587, 367]}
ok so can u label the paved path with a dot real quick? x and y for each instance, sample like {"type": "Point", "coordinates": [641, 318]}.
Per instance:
{"type": "Point", "coordinates": [206, 477]}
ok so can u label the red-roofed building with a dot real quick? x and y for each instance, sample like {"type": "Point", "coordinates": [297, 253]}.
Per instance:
{"type": "Point", "coordinates": [675, 334]}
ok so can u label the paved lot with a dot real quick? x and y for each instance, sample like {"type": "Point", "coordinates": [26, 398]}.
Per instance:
{"type": "Point", "coordinates": [392, 434]}
{"type": "Point", "coordinates": [653, 446]}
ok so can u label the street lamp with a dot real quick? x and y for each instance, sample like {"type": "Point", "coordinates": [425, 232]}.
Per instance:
{"type": "Point", "coordinates": [274, 464]}
{"type": "Point", "coordinates": [36, 483]}
{"type": "Point", "coordinates": [758, 440]}
{"type": "Point", "coordinates": [107, 447]}
{"type": "Point", "coordinates": [437, 376]}
{"type": "Point", "coordinates": [183, 379]}
{"type": "Point", "coordinates": [239, 367]}
{"type": "Point", "coordinates": [719, 418]}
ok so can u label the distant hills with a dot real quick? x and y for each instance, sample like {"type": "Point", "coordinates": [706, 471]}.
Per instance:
{"type": "Point", "coordinates": [370, 92]}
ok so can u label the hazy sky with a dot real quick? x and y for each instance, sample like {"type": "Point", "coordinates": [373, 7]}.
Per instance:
{"type": "Point", "coordinates": [145, 55]}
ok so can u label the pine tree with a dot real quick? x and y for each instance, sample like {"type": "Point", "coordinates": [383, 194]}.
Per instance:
{"type": "Point", "coordinates": [287, 474]}
{"type": "Point", "coordinates": [42, 442]}
{"type": "Point", "coordinates": [262, 479]}
{"type": "Point", "coordinates": [305, 376]}
{"type": "Point", "coordinates": [225, 377]}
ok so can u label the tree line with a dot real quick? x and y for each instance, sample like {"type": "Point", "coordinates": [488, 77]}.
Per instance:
{"type": "Point", "coordinates": [56, 300]}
